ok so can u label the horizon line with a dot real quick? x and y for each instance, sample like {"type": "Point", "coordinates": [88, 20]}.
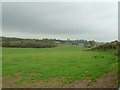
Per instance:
{"type": "Point", "coordinates": [54, 38]}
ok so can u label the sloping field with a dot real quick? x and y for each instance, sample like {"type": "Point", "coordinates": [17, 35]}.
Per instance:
{"type": "Point", "coordinates": [63, 66]}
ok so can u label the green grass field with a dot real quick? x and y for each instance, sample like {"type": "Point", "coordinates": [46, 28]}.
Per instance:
{"type": "Point", "coordinates": [69, 62]}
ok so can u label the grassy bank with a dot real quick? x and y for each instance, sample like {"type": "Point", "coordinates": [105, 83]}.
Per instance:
{"type": "Point", "coordinates": [69, 62]}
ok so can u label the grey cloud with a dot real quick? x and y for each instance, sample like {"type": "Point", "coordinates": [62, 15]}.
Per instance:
{"type": "Point", "coordinates": [0, 19]}
{"type": "Point", "coordinates": [58, 20]}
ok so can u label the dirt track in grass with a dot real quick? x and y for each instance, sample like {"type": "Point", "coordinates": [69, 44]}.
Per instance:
{"type": "Point", "coordinates": [108, 80]}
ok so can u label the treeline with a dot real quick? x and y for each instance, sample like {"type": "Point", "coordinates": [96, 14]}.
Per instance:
{"type": "Point", "coordinates": [69, 42]}
{"type": "Point", "coordinates": [108, 46]}
{"type": "Point", "coordinates": [82, 42]}
{"type": "Point", "coordinates": [90, 44]}
{"type": "Point", "coordinates": [48, 43]}
{"type": "Point", "coordinates": [27, 43]}
{"type": "Point", "coordinates": [36, 43]}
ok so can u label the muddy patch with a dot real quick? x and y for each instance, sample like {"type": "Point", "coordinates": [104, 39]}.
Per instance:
{"type": "Point", "coordinates": [8, 82]}
{"type": "Point", "coordinates": [109, 80]}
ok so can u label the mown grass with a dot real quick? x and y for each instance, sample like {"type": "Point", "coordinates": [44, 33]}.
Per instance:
{"type": "Point", "coordinates": [70, 62]}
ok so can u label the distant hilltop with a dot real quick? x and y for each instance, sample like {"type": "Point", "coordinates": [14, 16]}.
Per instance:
{"type": "Point", "coordinates": [20, 42]}
{"type": "Point", "coordinates": [48, 43]}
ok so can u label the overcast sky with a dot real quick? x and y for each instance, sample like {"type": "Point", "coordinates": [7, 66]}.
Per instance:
{"type": "Point", "coordinates": [73, 20]}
